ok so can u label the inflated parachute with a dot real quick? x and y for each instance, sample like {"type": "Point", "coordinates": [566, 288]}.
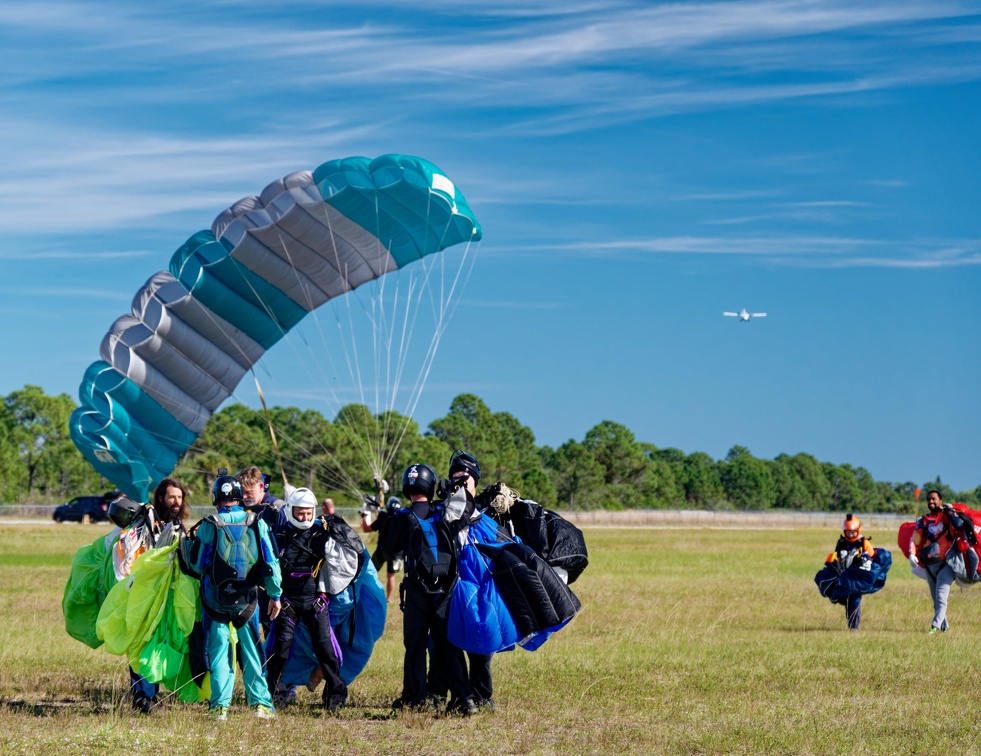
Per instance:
{"type": "Point", "coordinates": [234, 291]}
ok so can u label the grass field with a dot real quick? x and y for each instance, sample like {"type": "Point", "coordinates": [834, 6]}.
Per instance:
{"type": "Point", "coordinates": [690, 641]}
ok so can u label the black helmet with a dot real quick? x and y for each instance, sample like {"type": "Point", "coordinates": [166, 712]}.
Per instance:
{"type": "Point", "coordinates": [461, 461]}
{"type": "Point", "coordinates": [419, 479]}
{"type": "Point", "coordinates": [226, 488]}
{"type": "Point", "coordinates": [122, 511]}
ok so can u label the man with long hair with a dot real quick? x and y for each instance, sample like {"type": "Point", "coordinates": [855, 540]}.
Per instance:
{"type": "Point", "coordinates": [170, 502]}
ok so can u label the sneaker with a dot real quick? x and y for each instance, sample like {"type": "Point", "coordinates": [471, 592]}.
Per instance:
{"type": "Point", "coordinates": [282, 700]}
{"type": "Point", "coordinates": [219, 713]}
{"type": "Point", "coordinates": [486, 704]}
{"type": "Point", "coordinates": [264, 712]}
{"type": "Point", "coordinates": [933, 631]}
{"type": "Point", "coordinates": [335, 702]}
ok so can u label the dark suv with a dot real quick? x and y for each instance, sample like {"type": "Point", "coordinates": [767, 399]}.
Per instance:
{"type": "Point", "coordinates": [85, 509]}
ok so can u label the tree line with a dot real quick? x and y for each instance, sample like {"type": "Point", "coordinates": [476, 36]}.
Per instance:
{"type": "Point", "coordinates": [608, 469]}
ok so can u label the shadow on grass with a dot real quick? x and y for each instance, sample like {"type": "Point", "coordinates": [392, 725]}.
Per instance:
{"type": "Point", "coordinates": [51, 708]}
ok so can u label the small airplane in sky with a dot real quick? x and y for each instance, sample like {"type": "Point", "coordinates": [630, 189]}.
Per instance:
{"type": "Point", "coordinates": [744, 316]}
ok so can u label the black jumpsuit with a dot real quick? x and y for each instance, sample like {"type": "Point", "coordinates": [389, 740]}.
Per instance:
{"type": "Point", "coordinates": [430, 571]}
{"type": "Point", "coordinates": [301, 553]}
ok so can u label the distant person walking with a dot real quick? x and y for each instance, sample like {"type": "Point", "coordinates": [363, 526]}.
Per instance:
{"type": "Point", "coordinates": [852, 545]}
{"type": "Point", "coordinates": [932, 538]}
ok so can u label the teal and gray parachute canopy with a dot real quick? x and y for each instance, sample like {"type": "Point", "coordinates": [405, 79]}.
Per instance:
{"type": "Point", "coordinates": [234, 291]}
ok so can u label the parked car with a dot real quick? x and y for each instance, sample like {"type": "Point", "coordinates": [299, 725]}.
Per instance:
{"type": "Point", "coordinates": [85, 509]}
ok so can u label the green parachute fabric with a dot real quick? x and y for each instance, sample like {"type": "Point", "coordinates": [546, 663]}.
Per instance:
{"type": "Point", "coordinates": [89, 582]}
{"type": "Point", "coordinates": [148, 616]}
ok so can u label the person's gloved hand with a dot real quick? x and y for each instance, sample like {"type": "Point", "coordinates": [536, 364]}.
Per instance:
{"type": "Point", "coordinates": [913, 561]}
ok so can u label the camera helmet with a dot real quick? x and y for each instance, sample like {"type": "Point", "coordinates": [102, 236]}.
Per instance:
{"type": "Point", "coordinates": [226, 488]}
{"type": "Point", "coordinates": [123, 511]}
{"type": "Point", "coordinates": [419, 479]}
{"type": "Point", "coordinates": [461, 461]}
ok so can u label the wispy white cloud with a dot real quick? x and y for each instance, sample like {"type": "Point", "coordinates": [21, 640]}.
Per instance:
{"type": "Point", "coordinates": [71, 253]}
{"type": "Point", "coordinates": [60, 292]}
{"type": "Point", "coordinates": [806, 251]}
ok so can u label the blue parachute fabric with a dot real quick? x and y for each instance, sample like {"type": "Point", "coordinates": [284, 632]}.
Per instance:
{"type": "Point", "coordinates": [537, 598]}
{"type": "Point", "coordinates": [233, 291]}
{"type": "Point", "coordinates": [357, 617]}
{"type": "Point", "coordinates": [856, 580]}
{"type": "Point", "coordinates": [479, 621]}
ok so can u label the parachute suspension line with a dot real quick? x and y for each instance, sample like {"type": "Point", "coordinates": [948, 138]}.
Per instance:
{"type": "Point", "coordinates": [446, 307]}
{"type": "Point", "coordinates": [269, 312]}
{"type": "Point", "coordinates": [272, 431]}
{"type": "Point", "coordinates": [354, 371]}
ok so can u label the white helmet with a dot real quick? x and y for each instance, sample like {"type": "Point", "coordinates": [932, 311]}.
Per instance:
{"type": "Point", "coordinates": [304, 498]}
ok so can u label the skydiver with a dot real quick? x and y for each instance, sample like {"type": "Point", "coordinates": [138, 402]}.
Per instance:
{"type": "Point", "coordinates": [256, 498]}
{"type": "Point", "coordinates": [372, 519]}
{"type": "Point", "coordinates": [302, 541]}
{"type": "Point", "coordinates": [222, 550]}
{"type": "Point", "coordinates": [428, 542]}
{"type": "Point", "coordinates": [255, 490]}
{"type": "Point", "coordinates": [169, 505]}
{"type": "Point", "coordinates": [852, 545]}
{"type": "Point", "coordinates": [465, 472]}
{"type": "Point", "coordinates": [932, 538]}
{"type": "Point", "coordinates": [557, 541]}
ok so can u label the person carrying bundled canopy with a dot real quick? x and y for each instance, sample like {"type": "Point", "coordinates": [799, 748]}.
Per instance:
{"type": "Point", "coordinates": [232, 551]}
{"type": "Point", "coordinates": [143, 527]}
{"type": "Point", "coordinates": [319, 558]}
{"type": "Point", "coordinates": [852, 570]}
{"type": "Point", "coordinates": [933, 535]}
{"type": "Point", "coordinates": [852, 545]}
{"type": "Point", "coordinates": [426, 535]}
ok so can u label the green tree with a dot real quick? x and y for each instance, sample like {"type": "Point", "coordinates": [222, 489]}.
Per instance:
{"type": "Point", "coordinates": [846, 496]}
{"type": "Point", "coordinates": [36, 430]}
{"type": "Point", "coordinates": [701, 482]}
{"type": "Point", "coordinates": [504, 447]}
{"type": "Point", "coordinates": [747, 481]}
{"type": "Point", "coordinates": [659, 486]}
{"type": "Point", "coordinates": [577, 475]}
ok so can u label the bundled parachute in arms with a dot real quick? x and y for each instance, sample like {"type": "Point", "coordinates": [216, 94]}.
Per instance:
{"type": "Point", "coordinates": [234, 291]}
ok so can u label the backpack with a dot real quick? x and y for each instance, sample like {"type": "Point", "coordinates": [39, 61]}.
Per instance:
{"type": "Point", "coordinates": [236, 569]}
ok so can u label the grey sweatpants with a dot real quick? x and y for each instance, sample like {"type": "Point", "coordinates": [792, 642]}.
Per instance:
{"type": "Point", "coordinates": [940, 577]}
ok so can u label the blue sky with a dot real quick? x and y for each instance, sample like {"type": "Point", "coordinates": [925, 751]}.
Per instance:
{"type": "Point", "coordinates": [637, 168]}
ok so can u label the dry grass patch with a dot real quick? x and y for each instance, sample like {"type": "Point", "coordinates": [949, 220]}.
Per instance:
{"type": "Point", "coordinates": [689, 642]}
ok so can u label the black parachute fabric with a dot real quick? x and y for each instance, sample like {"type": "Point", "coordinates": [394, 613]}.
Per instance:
{"type": "Point", "coordinates": [534, 594]}
{"type": "Point", "coordinates": [859, 578]}
{"type": "Point", "coordinates": [551, 536]}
